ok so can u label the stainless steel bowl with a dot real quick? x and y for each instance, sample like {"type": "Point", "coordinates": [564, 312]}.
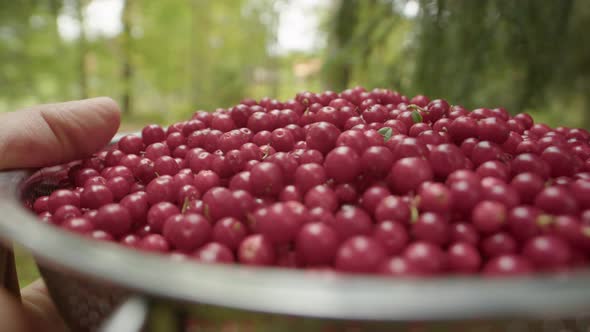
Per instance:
{"type": "Point", "coordinates": [91, 281]}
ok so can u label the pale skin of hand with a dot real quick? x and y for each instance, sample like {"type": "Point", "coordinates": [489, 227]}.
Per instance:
{"type": "Point", "coordinates": [41, 136]}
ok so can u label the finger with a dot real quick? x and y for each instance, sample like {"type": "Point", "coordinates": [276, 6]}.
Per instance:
{"type": "Point", "coordinates": [40, 308]}
{"type": "Point", "coordinates": [56, 133]}
{"type": "Point", "coordinates": [13, 316]}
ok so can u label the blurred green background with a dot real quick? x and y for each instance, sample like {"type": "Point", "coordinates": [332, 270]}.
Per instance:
{"type": "Point", "coordinates": [162, 60]}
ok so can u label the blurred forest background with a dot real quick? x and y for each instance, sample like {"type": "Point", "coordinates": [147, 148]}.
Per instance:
{"type": "Point", "coordinates": [162, 60]}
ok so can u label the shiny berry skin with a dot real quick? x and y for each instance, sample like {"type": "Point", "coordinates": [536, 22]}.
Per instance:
{"type": "Point", "coordinates": [462, 128]}
{"type": "Point", "coordinates": [229, 232]}
{"type": "Point", "coordinates": [131, 144]}
{"type": "Point", "coordinates": [392, 236]}
{"type": "Point", "coordinates": [466, 194]}
{"type": "Point", "coordinates": [158, 213]}
{"type": "Point", "coordinates": [493, 168]}
{"type": "Point", "coordinates": [353, 139]}
{"type": "Point", "coordinates": [346, 193]}
{"type": "Point", "coordinates": [113, 157]}
{"type": "Point", "coordinates": [525, 222]}
{"type": "Point", "coordinates": [278, 223]}
{"type": "Point", "coordinates": [186, 194]}
{"type": "Point", "coordinates": [62, 197]}
{"type": "Point", "coordinates": [431, 227]}
{"type": "Point", "coordinates": [580, 190]}
{"type": "Point", "coordinates": [485, 151]}
{"type": "Point", "coordinates": [427, 258]}
{"type": "Point", "coordinates": [308, 176]}
{"type": "Point", "coordinates": [79, 225]}
{"type": "Point", "coordinates": [256, 250]}
{"type": "Point", "coordinates": [445, 159]}
{"type": "Point", "coordinates": [556, 200]}
{"type": "Point", "coordinates": [499, 244]}
{"type": "Point", "coordinates": [321, 196]}
{"type": "Point", "coordinates": [351, 220]}
{"type": "Point", "coordinates": [113, 219]}
{"type": "Point", "coordinates": [372, 197]}
{"type": "Point", "coordinates": [93, 197]}
{"type": "Point", "coordinates": [154, 243]}
{"type": "Point", "coordinates": [205, 180]}
{"type": "Point", "coordinates": [464, 232]}
{"type": "Point", "coordinates": [527, 185]}
{"type": "Point", "coordinates": [435, 197]}
{"type": "Point", "coordinates": [282, 139]}
{"type": "Point", "coordinates": [266, 178]}
{"type": "Point", "coordinates": [219, 202]}
{"type": "Point", "coordinates": [376, 161]}
{"type": "Point", "coordinates": [290, 193]}
{"type": "Point", "coordinates": [311, 156]}
{"type": "Point", "coordinates": [547, 252]}
{"type": "Point", "coordinates": [492, 129]}
{"type": "Point", "coordinates": [316, 244]}
{"type": "Point", "coordinates": [214, 253]}
{"type": "Point", "coordinates": [393, 208]}
{"type": "Point", "coordinates": [137, 206]}
{"type": "Point", "coordinates": [161, 189]}
{"type": "Point", "coordinates": [41, 204]}
{"type": "Point", "coordinates": [322, 136]}
{"type": "Point", "coordinates": [64, 213]}
{"type": "Point", "coordinates": [342, 164]}
{"type": "Point", "coordinates": [528, 162]}
{"type": "Point", "coordinates": [119, 187]}
{"type": "Point", "coordinates": [463, 258]}
{"type": "Point", "coordinates": [100, 235]}
{"type": "Point", "coordinates": [559, 161]}
{"type": "Point", "coordinates": [507, 266]}
{"type": "Point", "coordinates": [359, 254]}
{"type": "Point", "coordinates": [408, 173]}
{"type": "Point", "coordinates": [398, 267]}
{"type": "Point", "coordinates": [489, 216]}
{"type": "Point", "coordinates": [187, 232]}
{"type": "Point", "coordinates": [152, 134]}
{"type": "Point", "coordinates": [84, 175]}
{"type": "Point", "coordinates": [166, 165]}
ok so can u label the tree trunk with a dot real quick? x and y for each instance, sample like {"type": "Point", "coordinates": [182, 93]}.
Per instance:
{"type": "Point", "coordinates": [82, 50]}
{"type": "Point", "coordinates": [340, 66]}
{"type": "Point", "coordinates": [127, 67]}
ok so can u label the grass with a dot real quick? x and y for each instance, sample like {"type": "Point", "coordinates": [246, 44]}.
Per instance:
{"type": "Point", "coordinates": [25, 266]}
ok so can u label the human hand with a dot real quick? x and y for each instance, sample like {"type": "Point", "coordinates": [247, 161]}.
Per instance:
{"type": "Point", "coordinates": [41, 136]}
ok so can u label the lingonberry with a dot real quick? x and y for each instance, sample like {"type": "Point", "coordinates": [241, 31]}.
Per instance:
{"type": "Point", "coordinates": [256, 250]}
{"type": "Point", "coordinates": [316, 244]}
{"type": "Point", "coordinates": [359, 254]}
{"type": "Point", "coordinates": [214, 253]}
{"type": "Point", "coordinates": [187, 232]}
{"type": "Point", "coordinates": [463, 258]}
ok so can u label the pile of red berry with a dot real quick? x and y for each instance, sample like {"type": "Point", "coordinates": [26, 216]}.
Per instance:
{"type": "Point", "coordinates": [359, 182]}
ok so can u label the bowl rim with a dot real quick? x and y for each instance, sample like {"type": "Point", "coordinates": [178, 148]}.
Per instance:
{"type": "Point", "coordinates": [285, 291]}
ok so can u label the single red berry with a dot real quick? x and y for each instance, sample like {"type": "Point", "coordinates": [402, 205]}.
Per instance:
{"type": "Point", "coordinates": [113, 219]}
{"type": "Point", "coordinates": [359, 254]}
{"type": "Point", "coordinates": [256, 250]}
{"type": "Point", "coordinates": [187, 232]}
{"type": "Point", "coordinates": [489, 216]}
{"type": "Point", "coordinates": [214, 253]}
{"type": "Point", "coordinates": [463, 258]}
{"type": "Point", "coordinates": [316, 244]}
{"type": "Point", "coordinates": [428, 258]}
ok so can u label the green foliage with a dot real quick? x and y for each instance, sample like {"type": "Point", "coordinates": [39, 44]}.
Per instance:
{"type": "Point", "coordinates": [176, 56]}
{"type": "Point", "coordinates": [524, 55]}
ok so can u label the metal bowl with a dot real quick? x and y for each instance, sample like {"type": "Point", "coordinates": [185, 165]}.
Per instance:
{"type": "Point", "coordinates": [90, 280]}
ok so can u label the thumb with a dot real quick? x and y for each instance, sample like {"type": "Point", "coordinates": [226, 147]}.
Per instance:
{"type": "Point", "coordinates": [56, 133]}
